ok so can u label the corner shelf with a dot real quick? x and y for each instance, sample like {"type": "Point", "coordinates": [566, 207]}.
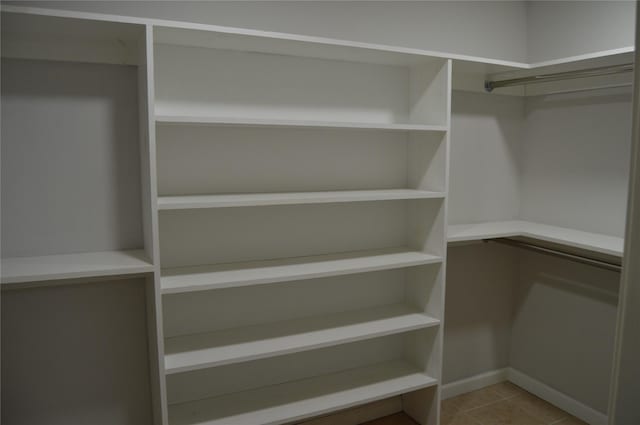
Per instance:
{"type": "Point", "coordinates": [291, 198]}
{"type": "Point", "coordinates": [259, 122]}
{"type": "Point", "coordinates": [199, 351]}
{"type": "Point", "coordinates": [595, 242]}
{"type": "Point", "coordinates": [71, 266]}
{"type": "Point", "coordinates": [298, 400]}
{"type": "Point", "coordinates": [200, 278]}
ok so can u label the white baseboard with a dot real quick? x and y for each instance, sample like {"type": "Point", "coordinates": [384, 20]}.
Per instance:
{"type": "Point", "coordinates": [545, 392]}
{"type": "Point", "coordinates": [474, 383]}
{"type": "Point", "coordinates": [555, 397]}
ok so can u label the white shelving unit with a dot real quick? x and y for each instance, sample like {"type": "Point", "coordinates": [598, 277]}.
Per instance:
{"type": "Point", "coordinates": [200, 278]}
{"type": "Point", "coordinates": [588, 241]}
{"type": "Point", "coordinates": [299, 170]}
{"type": "Point", "coordinates": [263, 199]}
{"type": "Point", "coordinates": [298, 400]}
{"type": "Point", "coordinates": [76, 222]}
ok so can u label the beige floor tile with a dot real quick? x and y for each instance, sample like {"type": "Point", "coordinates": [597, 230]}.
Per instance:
{"type": "Point", "coordinates": [473, 400]}
{"type": "Point", "coordinates": [506, 389]}
{"type": "Point", "coordinates": [504, 412]}
{"type": "Point", "coordinates": [570, 421]}
{"type": "Point", "coordinates": [539, 408]}
{"type": "Point", "coordinates": [458, 418]}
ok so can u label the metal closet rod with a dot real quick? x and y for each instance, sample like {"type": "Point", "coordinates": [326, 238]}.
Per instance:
{"type": "Point", "coordinates": [558, 76]}
{"type": "Point", "coordinates": [557, 253]}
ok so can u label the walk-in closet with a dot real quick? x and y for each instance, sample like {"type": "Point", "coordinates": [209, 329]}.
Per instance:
{"type": "Point", "coordinates": [350, 212]}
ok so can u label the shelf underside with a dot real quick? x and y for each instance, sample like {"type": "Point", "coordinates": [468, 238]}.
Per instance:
{"type": "Point", "coordinates": [594, 242]}
{"type": "Point", "coordinates": [297, 400]}
{"type": "Point", "coordinates": [186, 279]}
{"type": "Point", "coordinates": [191, 352]}
{"type": "Point", "coordinates": [72, 266]}
{"type": "Point", "coordinates": [291, 198]}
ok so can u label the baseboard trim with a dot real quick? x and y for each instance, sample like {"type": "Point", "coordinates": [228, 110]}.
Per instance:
{"type": "Point", "coordinates": [540, 389]}
{"type": "Point", "coordinates": [474, 383]}
{"type": "Point", "coordinates": [557, 398]}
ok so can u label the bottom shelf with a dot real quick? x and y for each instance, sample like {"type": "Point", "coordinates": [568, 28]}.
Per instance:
{"type": "Point", "coordinates": [298, 400]}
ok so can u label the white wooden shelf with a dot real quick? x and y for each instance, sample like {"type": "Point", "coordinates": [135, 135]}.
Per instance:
{"type": "Point", "coordinates": [192, 352]}
{"type": "Point", "coordinates": [291, 198]}
{"type": "Point", "coordinates": [71, 266]}
{"type": "Point", "coordinates": [594, 242]}
{"type": "Point", "coordinates": [301, 399]}
{"type": "Point", "coordinates": [198, 278]}
{"type": "Point", "coordinates": [258, 122]}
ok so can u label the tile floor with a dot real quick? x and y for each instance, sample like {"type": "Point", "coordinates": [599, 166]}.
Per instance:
{"type": "Point", "coordinates": [500, 404]}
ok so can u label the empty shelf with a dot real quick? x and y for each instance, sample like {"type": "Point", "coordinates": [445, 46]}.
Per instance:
{"type": "Point", "coordinates": [588, 241]}
{"type": "Point", "coordinates": [292, 401]}
{"type": "Point", "coordinates": [191, 352]}
{"type": "Point", "coordinates": [71, 266]}
{"type": "Point", "coordinates": [261, 122]}
{"type": "Point", "coordinates": [261, 199]}
{"type": "Point", "coordinates": [198, 278]}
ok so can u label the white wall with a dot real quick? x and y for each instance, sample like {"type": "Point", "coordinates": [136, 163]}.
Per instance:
{"type": "Point", "coordinates": [575, 160]}
{"type": "Point", "coordinates": [563, 327]}
{"type": "Point", "coordinates": [486, 139]}
{"type": "Point", "coordinates": [559, 29]}
{"type": "Point", "coordinates": [478, 310]}
{"type": "Point", "coordinates": [494, 29]}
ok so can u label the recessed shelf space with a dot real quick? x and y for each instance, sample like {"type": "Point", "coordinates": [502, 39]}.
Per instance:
{"type": "Point", "coordinates": [192, 352]}
{"type": "Point", "coordinates": [595, 242]}
{"type": "Point", "coordinates": [199, 278]}
{"type": "Point", "coordinates": [301, 399]}
{"type": "Point", "coordinates": [263, 199]}
{"type": "Point", "coordinates": [241, 88]}
{"type": "Point", "coordinates": [73, 266]}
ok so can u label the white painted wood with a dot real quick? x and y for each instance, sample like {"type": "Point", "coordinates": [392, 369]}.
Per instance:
{"type": "Point", "coordinates": [28, 36]}
{"type": "Point", "coordinates": [184, 279]}
{"type": "Point", "coordinates": [209, 311]}
{"type": "Point", "coordinates": [71, 266]}
{"type": "Point", "coordinates": [595, 242]}
{"type": "Point", "coordinates": [336, 48]}
{"type": "Point", "coordinates": [264, 122]}
{"type": "Point", "coordinates": [229, 235]}
{"type": "Point", "coordinates": [269, 371]}
{"type": "Point", "coordinates": [195, 160]}
{"type": "Point", "coordinates": [359, 414]}
{"type": "Point", "coordinates": [263, 199]}
{"type": "Point", "coordinates": [70, 158]}
{"type": "Point", "coordinates": [302, 399]}
{"type": "Point", "coordinates": [146, 100]}
{"type": "Point", "coordinates": [192, 352]}
{"type": "Point", "coordinates": [557, 398]}
{"type": "Point", "coordinates": [623, 394]}
{"type": "Point", "coordinates": [473, 383]}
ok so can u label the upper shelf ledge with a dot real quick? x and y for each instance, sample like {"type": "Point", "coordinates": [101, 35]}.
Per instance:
{"type": "Point", "coordinates": [594, 242]}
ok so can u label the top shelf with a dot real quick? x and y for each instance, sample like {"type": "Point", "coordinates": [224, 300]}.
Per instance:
{"type": "Point", "coordinates": [595, 242]}
{"type": "Point", "coordinates": [257, 122]}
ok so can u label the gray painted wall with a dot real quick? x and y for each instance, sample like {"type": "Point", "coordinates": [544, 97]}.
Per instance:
{"type": "Point", "coordinates": [76, 355]}
{"type": "Point", "coordinates": [564, 326]}
{"type": "Point", "coordinates": [575, 160]}
{"type": "Point", "coordinates": [557, 29]}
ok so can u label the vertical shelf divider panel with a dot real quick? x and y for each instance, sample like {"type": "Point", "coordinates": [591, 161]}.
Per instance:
{"type": "Point", "coordinates": [146, 101]}
{"type": "Point", "coordinates": [360, 243]}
